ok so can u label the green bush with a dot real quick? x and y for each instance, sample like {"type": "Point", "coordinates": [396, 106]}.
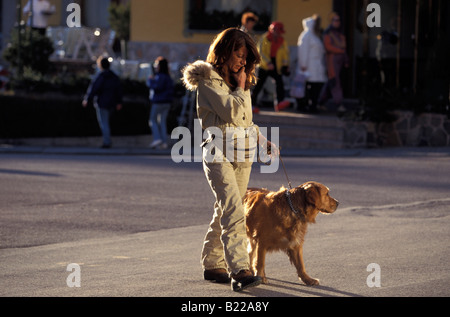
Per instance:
{"type": "Point", "coordinates": [31, 51]}
{"type": "Point", "coordinates": [63, 82]}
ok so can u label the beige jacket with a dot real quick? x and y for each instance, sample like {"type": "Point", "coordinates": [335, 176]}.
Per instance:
{"type": "Point", "coordinates": [217, 104]}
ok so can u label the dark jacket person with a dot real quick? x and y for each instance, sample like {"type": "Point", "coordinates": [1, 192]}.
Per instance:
{"type": "Point", "coordinates": [106, 93]}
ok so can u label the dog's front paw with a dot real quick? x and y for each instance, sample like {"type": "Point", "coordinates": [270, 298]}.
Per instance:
{"type": "Point", "coordinates": [310, 281]}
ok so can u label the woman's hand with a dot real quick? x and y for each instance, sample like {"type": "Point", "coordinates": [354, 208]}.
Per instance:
{"type": "Point", "coordinates": [240, 77]}
{"type": "Point", "coordinates": [271, 148]}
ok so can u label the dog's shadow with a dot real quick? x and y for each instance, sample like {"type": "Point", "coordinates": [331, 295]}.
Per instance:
{"type": "Point", "coordinates": [284, 289]}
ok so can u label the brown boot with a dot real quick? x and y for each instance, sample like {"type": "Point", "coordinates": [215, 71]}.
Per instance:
{"type": "Point", "coordinates": [244, 279]}
{"type": "Point", "coordinates": [216, 275]}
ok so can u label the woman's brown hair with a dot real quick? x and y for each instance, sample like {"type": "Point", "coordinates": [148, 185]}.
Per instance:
{"type": "Point", "coordinates": [225, 44]}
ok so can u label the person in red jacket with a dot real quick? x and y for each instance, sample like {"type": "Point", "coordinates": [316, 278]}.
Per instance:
{"type": "Point", "coordinates": [336, 58]}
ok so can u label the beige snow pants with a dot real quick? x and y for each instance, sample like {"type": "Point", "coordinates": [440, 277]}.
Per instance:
{"type": "Point", "coordinates": [225, 244]}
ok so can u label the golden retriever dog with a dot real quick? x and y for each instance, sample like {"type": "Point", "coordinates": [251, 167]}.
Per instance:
{"type": "Point", "coordinates": [279, 220]}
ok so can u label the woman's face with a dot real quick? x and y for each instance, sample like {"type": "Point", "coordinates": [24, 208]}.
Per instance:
{"type": "Point", "coordinates": [238, 59]}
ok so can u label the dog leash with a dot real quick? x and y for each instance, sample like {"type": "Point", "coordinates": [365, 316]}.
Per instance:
{"type": "Point", "coordinates": [287, 193]}
{"type": "Point", "coordinates": [282, 164]}
{"type": "Point", "coordinates": [284, 168]}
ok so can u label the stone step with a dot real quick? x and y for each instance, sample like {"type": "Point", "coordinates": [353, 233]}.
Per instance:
{"type": "Point", "coordinates": [301, 131]}
{"type": "Point", "coordinates": [266, 118]}
{"type": "Point", "coordinates": [312, 144]}
{"type": "Point", "coordinates": [312, 132]}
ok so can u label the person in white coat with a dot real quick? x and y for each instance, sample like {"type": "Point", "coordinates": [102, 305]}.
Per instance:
{"type": "Point", "coordinates": [38, 13]}
{"type": "Point", "coordinates": [311, 60]}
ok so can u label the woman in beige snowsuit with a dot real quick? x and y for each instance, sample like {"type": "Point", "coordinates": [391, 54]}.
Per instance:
{"type": "Point", "coordinates": [224, 107]}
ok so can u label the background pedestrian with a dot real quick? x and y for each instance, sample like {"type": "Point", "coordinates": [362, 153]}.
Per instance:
{"type": "Point", "coordinates": [161, 96]}
{"type": "Point", "coordinates": [38, 12]}
{"type": "Point", "coordinates": [106, 93]}
{"type": "Point", "coordinates": [336, 58]}
{"type": "Point", "coordinates": [248, 22]}
{"type": "Point", "coordinates": [275, 60]}
{"type": "Point", "coordinates": [311, 60]}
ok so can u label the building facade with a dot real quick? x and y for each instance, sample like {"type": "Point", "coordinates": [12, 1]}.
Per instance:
{"type": "Point", "coordinates": [167, 28]}
{"type": "Point", "coordinates": [408, 51]}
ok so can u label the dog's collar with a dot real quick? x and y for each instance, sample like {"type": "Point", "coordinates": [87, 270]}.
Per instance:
{"type": "Point", "coordinates": [287, 193]}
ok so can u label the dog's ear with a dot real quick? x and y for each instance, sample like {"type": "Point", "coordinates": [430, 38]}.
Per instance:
{"type": "Point", "coordinates": [312, 194]}
{"type": "Point", "coordinates": [313, 201]}
{"type": "Point", "coordinates": [307, 186]}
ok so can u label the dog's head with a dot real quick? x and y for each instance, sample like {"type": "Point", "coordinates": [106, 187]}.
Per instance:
{"type": "Point", "coordinates": [314, 198]}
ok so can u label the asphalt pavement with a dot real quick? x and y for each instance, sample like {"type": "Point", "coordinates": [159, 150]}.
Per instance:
{"type": "Point", "coordinates": [412, 254]}
{"type": "Point", "coordinates": [385, 250]}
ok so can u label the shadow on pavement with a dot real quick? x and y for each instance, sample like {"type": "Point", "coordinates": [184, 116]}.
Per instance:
{"type": "Point", "coordinates": [279, 288]}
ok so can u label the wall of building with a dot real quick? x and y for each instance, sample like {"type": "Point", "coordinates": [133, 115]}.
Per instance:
{"type": "Point", "coordinates": [164, 21]}
{"type": "Point", "coordinates": [159, 28]}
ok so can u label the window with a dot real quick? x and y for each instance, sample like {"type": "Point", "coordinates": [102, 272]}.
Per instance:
{"type": "Point", "coordinates": [214, 15]}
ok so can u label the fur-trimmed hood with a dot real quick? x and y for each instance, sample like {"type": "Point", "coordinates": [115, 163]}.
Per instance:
{"type": "Point", "coordinates": [193, 73]}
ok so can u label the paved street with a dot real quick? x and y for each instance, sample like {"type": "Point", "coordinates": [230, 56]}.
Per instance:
{"type": "Point", "coordinates": [135, 223]}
